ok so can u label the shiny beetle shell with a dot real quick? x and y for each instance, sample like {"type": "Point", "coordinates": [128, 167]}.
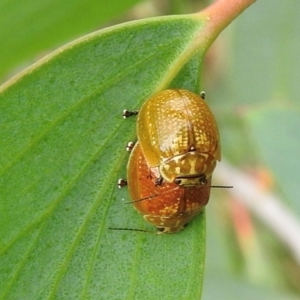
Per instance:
{"type": "Point", "coordinates": [168, 207]}
{"type": "Point", "coordinates": [178, 135]}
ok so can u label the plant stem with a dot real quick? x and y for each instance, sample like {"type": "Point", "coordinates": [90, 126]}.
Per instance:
{"type": "Point", "coordinates": [219, 15]}
{"type": "Point", "coordinates": [265, 205]}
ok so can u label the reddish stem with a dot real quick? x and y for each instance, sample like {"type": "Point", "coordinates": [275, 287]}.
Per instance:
{"type": "Point", "coordinates": [219, 15]}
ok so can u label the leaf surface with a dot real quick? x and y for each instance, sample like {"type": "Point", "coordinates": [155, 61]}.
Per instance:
{"type": "Point", "coordinates": [62, 141]}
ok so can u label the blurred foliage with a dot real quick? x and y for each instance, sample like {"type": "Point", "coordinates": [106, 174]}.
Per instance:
{"type": "Point", "coordinates": [29, 30]}
{"type": "Point", "coordinates": [251, 76]}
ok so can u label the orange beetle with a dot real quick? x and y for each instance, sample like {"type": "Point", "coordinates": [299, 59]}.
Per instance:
{"type": "Point", "coordinates": [168, 206]}
{"type": "Point", "coordinates": [179, 137]}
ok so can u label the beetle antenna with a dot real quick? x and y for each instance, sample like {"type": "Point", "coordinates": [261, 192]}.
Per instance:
{"type": "Point", "coordinates": [222, 186]}
{"type": "Point", "coordinates": [131, 229]}
{"type": "Point", "coordinates": [169, 191]}
{"type": "Point", "coordinates": [152, 196]}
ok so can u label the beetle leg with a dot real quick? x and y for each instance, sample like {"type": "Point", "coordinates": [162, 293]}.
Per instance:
{"type": "Point", "coordinates": [122, 183]}
{"type": "Point", "coordinates": [158, 181]}
{"type": "Point", "coordinates": [128, 113]}
{"type": "Point", "coordinates": [130, 146]}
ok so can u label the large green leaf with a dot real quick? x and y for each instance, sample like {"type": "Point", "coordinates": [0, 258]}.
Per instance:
{"type": "Point", "coordinates": [29, 27]}
{"type": "Point", "coordinates": [62, 142]}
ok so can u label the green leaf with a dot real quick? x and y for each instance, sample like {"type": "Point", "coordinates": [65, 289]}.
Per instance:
{"type": "Point", "coordinates": [62, 141]}
{"type": "Point", "coordinates": [28, 28]}
{"type": "Point", "coordinates": [265, 126]}
{"type": "Point", "coordinates": [257, 106]}
{"type": "Point", "coordinates": [261, 95]}
{"type": "Point", "coordinates": [238, 289]}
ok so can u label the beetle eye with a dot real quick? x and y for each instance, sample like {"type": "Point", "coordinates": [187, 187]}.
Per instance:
{"type": "Point", "coordinates": [203, 180]}
{"type": "Point", "coordinates": [177, 181]}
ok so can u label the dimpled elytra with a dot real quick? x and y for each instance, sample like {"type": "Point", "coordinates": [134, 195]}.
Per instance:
{"type": "Point", "coordinates": [168, 206]}
{"type": "Point", "coordinates": [179, 136]}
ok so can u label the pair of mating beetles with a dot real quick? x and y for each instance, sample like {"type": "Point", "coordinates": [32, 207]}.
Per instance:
{"type": "Point", "coordinates": [170, 167]}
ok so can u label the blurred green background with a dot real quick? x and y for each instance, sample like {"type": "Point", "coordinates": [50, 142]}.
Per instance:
{"type": "Point", "coordinates": [251, 76]}
{"type": "Point", "coordinates": [253, 80]}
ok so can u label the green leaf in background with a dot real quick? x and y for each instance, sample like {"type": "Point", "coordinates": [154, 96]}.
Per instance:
{"type": "Point", "coordinates": [261, 93]}
{"type": "Point", "coordinates": [221, 263]}
{"type": "Point", "coordinates": [238, 289]}
{"type": "Point", "coordinates": [31, 26]}
{"type": "Point", "coordinates": [256, 101]}
{"type": "Point", "coordinates": [62, 141]}
{"type": "Point", "coordinates": [266, 126]}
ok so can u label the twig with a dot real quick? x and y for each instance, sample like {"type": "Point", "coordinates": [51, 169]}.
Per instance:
{"type": "Point", "coordinates": [265, 205]}
{"type": "Point", "coordinates": [219, 15]}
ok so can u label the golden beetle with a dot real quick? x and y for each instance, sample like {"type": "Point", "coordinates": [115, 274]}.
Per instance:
{"type": "Point", "coordinates": [168, 206]}
{"type": "Point", "coordinates": [179, 137]}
